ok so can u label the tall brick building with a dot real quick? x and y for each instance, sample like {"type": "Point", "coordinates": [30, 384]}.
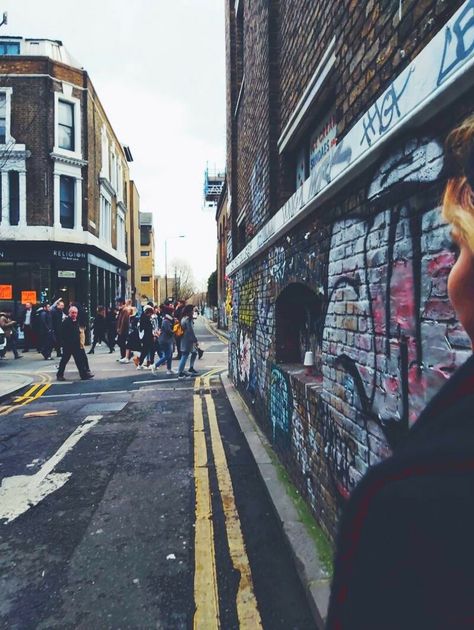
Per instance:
{"type": "Point", "coordinates": [336, 117]}
{"type": "Point", "coordinates": [64, 182]}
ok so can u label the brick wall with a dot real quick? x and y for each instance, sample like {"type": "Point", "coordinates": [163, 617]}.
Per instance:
{"type": "Point", "coordinates": [32, 124]}
{"type": "Point", "coordinates": [376, 256]}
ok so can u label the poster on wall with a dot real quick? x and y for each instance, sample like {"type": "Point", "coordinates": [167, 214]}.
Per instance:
{"type": "Point", "coordinates": [6, 291]}
{"type": "Point", "coordinates": [28, 296]}
{"type": "Point", "coordinates": [322, 139]}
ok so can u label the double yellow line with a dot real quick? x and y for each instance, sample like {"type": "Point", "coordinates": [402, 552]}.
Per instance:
{"type": "Point", "coordinates": [206, 592]}
{"type": "Point", "coordinates": [35, 392]}
{"type": "Point", "coordinates": [216, 333]}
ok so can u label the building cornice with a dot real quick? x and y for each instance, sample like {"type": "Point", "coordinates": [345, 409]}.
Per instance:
{"type": "Point", "coordinates": [103, 181]}
{"type": "Point", "coordinates": [69, 160]}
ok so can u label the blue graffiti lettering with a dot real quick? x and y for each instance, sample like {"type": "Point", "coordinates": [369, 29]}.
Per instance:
{"type": "Point", "coordinates": [458, 43]}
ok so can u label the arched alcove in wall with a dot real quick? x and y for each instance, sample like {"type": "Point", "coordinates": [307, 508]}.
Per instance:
{"type": "Point", "coordinates": [298, 311]}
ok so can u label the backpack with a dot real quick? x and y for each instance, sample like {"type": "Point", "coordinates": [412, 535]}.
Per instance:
{"type": "Point", "coordinates": [178, 330]}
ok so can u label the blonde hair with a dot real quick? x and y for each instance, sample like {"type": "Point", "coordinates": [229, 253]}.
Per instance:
{"type": "Point", "coordinates": [458, 199]}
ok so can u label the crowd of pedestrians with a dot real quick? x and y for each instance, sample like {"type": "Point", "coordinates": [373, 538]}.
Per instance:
{"type": "Point", "coordinates": [147, 338]}
{"type": "Point", "coordinates": [157, 332]}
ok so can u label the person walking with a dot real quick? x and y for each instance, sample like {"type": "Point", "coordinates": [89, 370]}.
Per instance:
{"type": "Point", "coordinates": [123, 325]}
{"type": "Point", "coordinates": [189, 343]}
{"type": "Point", "coordinates": [71, 336]}
{"type": "Point", "coordinates": [57, 316]}
{"type": "Point", "coordinates": [405, 550]}
{"type": "Point", "coordinates": [26, 326]}
{"type": "Point", "coordinates": [111, 328]}
{"type": "Point", "coordinates": [156, 322]}
{"type": "Point", "coordinates": [166, 344]}
{"type": "Point", "coordinates": [9, 328]}
{"type": "Point", "coordinates": [178, 313]}
{"type": "Point", "coordinates": [98, 327]}
{"type": "Point", "coordinates": [46, 332]}
{"type": "Point", "coordinates": [145, 333]}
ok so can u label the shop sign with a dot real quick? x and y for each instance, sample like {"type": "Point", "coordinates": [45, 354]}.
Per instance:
{"type": "Point", "coordinates": [66, 274]}
{"type": "Point", "coordinates": [6, 291]}
{"type": "Point", "coordinates": [322, 141]}
{"type": "Point", "coordinates": [28, 296]}
{"type": "Point", "coordinates": [69, 255]}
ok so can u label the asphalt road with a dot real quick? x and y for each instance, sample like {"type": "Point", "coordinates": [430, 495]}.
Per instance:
{"type": "Point", "coordinates": [137, 505]}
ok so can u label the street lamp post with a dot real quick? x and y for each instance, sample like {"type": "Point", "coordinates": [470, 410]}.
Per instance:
{"type": "Point", "coordinates": [166, 261]}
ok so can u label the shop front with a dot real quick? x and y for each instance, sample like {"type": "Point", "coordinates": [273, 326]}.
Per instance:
{"type": "Point", "coordinates": [39, 272]}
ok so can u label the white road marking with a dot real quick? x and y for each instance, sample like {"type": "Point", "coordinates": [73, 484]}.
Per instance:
{"type": "Point", "coordinates": [21, 492]}
{"type": "Point", "coordinates": [119, 391]}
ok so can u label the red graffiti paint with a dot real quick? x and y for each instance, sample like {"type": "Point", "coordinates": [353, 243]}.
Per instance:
{"type": "Point", "coordinates": [402, 296]}
{"type": "Point", "coordinates": [441, 263]}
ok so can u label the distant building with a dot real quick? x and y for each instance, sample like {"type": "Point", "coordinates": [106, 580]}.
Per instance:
{"type": "Point", "coordinates": [133, 244]}
{"type": "Point", "coordinates": [213, 185]}
{"type": "Point", "coordinates": [223, 230]}
{"type": "Point", "coordinates": [64, 182]}
{"type": "Point", "coordinates": [146, 276]}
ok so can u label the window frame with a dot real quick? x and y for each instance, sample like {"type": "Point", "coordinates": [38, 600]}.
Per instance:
{"type": "Point", "coordinates": [105, 219]}
{"type": "Point", "coordinates": [76, 103]}
{"type": "Point", "coordinates": [72, 202]}
{"type": "Point", "coordinates": [8, 91]}
{"type": "Point", "coordinates": [71, 127]}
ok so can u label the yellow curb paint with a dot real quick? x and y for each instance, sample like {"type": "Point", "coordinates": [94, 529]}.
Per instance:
{"type": "Point", "coordinates": [28, 393]}
{"type": "Point", "coordinates": [38, 390]}
{"type": "Point", "coordinates": [206, 596]}
{"type": "Point", "coordinates": [247, 609]}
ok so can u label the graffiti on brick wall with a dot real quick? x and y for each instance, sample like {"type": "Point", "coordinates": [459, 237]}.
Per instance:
{"type": "Point", "coordinates": [385, 111]}
{"type": "Point", "coordinates": [281, 403]}
{"type": "Point", "coordinates": [263, 337]}
{"type": "Point", "coordinates": [425, 79]}
{"type": "Point", "coordinates": [245, 358]}
{"type": "Point", "coordinates": [458, 42]}
{"type": "Point", "coordinates": [390, 335]}
{"type": "Point", "coordinates": [339, 449]}
{"type": "Point", "coordinates": [228, 298]}
{"type": "Point", "coordinates": [246, 304]}
{"type": "Point", "coordinates": [277, 264]}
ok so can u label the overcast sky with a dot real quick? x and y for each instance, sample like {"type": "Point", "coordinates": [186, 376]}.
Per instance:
{"type": "Point", "coordinates": [159, 69]}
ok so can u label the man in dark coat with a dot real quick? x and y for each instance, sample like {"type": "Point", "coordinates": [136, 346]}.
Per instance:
{"type": "Point", "coordinates": [71, 337]}
{"type": "Point", "coordinates": [57, 313]}
{"type": "Point", "coordinates": [46, 331]}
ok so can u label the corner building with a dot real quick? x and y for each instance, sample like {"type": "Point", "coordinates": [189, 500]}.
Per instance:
{"type": "Point", "coordinates": [337, 113]}
{"type": "Point", "coordinates": [64, 182]}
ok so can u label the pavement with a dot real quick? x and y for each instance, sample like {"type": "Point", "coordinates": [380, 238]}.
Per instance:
{"type": "Point", "coordinates": [310, 566]}
{"type": "Point", "coordinates": [122, 525]}
{"type": "Point", "coordinates": [12, 382]}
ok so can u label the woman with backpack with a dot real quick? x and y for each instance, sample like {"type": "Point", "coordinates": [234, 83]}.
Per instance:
{"type": "Point", "coordinates": [189, 343]}
{"type": "Point", "coordinates": [166, 343]}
